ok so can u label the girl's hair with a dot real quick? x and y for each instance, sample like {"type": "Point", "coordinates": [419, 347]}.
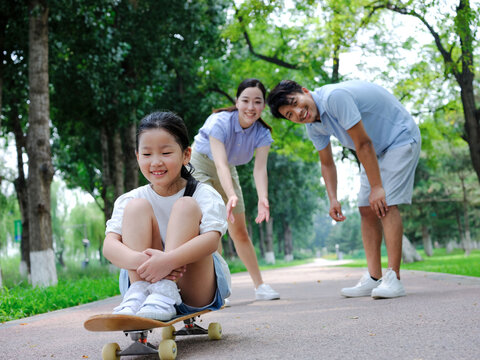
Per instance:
{"type": "Point", "coordinates": [174, 125]}
{"type": "Point", "coordinates": [248, 83]}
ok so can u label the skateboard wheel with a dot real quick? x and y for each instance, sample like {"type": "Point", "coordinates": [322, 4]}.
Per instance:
{"type": "Point", "coordinates": [167, 332]}
{"type": "Point", "coordinates": [214, 331]}
{"type": "Point", "coordinates": [167, 350]}
{"type": "Point", "coordinates": [109, 351]}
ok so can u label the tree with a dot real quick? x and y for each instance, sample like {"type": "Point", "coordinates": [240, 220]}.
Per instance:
{"type": "Point", "coordinates": [453, 31]}
{"type": "Point", "coordinates": [40, 168]}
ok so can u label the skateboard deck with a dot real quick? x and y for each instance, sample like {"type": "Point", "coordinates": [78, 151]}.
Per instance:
{"type": "Point", "coordinates": [138, 328]}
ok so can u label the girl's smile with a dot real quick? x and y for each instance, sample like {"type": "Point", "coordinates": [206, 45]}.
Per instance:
{"type": "Point", "coordinates": [160, 159]}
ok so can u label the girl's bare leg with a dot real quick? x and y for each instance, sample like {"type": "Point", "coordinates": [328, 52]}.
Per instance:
{"type": "Point", "coordinates": [140, 231]}
{"type": "Point", "coordinates": [198, 283]}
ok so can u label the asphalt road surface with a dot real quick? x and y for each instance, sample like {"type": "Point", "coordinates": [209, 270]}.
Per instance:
{"type": "Point", "coordinates": [438, 319]}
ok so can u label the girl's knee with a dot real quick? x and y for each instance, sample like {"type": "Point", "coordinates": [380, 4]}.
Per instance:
{"type": "Point", "coordinates": [187, 206]}
{"type": "Point", "coordinates": [136, 207]}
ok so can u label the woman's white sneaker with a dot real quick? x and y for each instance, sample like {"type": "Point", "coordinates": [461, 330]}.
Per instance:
{"type": "Point", "coordinates": [363, 288]}
{"type": "Point", "coordinates": [390, 287]}
{"type": "Point", "coordinates": [265, 292]}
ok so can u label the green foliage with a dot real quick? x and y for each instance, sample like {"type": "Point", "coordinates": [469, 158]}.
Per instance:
{"type": "Point", "coordinates": [75, 286]}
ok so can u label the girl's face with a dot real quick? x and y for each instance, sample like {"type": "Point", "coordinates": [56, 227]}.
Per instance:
{"type": "Point", "coordinates": [250, 105]}
{"type": "Point", "coordinates": [160, 159]}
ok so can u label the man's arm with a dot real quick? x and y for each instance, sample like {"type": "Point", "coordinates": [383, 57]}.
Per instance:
{"type": "Point", "coordinates": [368, 158]}
{"type": "Point", "coordinates": [329, 173]}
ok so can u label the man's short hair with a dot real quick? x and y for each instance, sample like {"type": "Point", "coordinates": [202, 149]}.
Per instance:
{"type": "Point", "coordinates": [279, 96]}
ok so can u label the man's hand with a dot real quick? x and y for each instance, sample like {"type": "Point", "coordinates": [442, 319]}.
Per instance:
{"type": "Point", "coordinates": [263, 211]}
{"type": "Point", "coordinates": [336, 211]}
{"type": "Point", "coordinates": [377, 200]}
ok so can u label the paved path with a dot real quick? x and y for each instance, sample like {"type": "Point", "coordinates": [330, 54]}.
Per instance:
{"type": "Point", "coordinates": [438, 319]}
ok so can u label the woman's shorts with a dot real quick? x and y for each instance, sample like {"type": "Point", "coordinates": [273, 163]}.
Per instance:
{"type": "Point", "coordinates": [397, 170]}
{"type": "Point", "coordinates": [206, 172]}
{"type": "Point", "coordinates": [223, 291]}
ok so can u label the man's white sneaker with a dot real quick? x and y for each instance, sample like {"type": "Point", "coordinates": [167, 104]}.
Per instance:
{"type": "Point", "coordinates": [363, 288]}
{"type": "Point", "coordinates": [390, 287]}
{"type": "Point", "coordinates": [265, 292]}
{"type": "Point", "coordinates": [160, 304]}
{"type": "Point", "coordinates": [133, 298]}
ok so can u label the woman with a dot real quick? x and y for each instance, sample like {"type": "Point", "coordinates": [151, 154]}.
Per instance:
{"type": "Point", "coordinates": [230, 137]}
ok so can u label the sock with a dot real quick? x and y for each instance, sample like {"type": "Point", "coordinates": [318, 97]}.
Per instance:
{"type": "Point", "coordinates": [374, 279]}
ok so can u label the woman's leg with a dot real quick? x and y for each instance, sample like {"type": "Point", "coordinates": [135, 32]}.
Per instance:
{"type": "Point", "coordinates": [198, 283]}
{"type": "Point", "coordinates": [244, 247]}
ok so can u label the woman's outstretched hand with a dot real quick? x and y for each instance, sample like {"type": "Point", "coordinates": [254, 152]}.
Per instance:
{"type": "Point", "coordinates": [231, 204]}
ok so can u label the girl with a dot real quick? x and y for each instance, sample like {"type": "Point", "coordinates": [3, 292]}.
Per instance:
{"type": "Point", "coordinates": [161, 236]}
{"type": "Point", "coordinates": [229, 138]}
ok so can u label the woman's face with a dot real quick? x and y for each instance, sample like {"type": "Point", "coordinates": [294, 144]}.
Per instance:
{"type": "Point", "coordinates": [250, 105]}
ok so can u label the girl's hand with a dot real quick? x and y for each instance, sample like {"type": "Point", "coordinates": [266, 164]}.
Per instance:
{"type": "Point", "coordinates": [156, 267]}
{"type": "Point", "coordinates": [336, 211]}
{"type": "Point", "coordinates": [177, 273]}
{"type": "Point", "coordinates": [263, 211]}
{"type": "Point", "coordinates": [232, 202]}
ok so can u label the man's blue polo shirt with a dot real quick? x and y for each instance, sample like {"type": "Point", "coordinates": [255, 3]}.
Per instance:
{"type": "Point", "coordinates": [341, 106]}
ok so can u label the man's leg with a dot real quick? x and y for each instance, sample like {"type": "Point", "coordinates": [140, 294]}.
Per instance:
{"type": "Point", "coordinates": [372, 240]}
{"type": "Point", "coordinates": [393, 230]}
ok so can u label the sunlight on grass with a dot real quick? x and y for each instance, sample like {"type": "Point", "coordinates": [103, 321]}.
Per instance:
{"type": "Point", "coordinates": [454, 263]}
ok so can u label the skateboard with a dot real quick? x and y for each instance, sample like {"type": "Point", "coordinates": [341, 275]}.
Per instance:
{"type": "Point", "coordinates": [138, 328]}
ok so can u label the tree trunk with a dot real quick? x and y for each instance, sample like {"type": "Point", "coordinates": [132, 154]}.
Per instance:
{"type": "Point", "coordinates": [106, 174]}
{"type": "Point", "coordinates": [269, 253]}
{"type": "Point", "coordinates": [467, 241]}
{"type": "Point", "coordinates": [20, 185]}
{"type": "Point", "coordinates": [40, 168]}
{"type": "Point", "coordinates": [427, 241]}
{"type": "Point", "coordinates": [409, 254]}
{"type": "Point", "coordinates": [131, 165]}
{"type": "Point", "coordinates": [288, 242]}
{"type": "Point", "coordinates": [261, 242]}
{"type": "Point", "coordinates": [118, 165]}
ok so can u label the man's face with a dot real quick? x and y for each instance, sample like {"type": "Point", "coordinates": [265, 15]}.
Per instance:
{"type": "Point", "coordinates": [301, 108]}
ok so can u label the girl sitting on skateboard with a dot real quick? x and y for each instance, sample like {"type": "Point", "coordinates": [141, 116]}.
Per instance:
{"type": "Point", "coordinates": [164, 235]}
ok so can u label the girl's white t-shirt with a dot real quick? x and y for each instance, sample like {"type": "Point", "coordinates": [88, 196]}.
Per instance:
{"type": "Point", "coordinates": [214, 214]}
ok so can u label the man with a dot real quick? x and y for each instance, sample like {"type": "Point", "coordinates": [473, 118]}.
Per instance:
{"type": "Point", "coordinates": [368, 119]}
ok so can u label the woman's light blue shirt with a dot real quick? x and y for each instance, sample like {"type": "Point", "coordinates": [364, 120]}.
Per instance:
{"type": "Point", "coordinates": [341, 106]}
{"type": "Point", "coordinates": [240, 144]}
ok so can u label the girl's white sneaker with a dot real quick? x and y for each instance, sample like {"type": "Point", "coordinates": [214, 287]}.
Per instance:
{"type": "Point", "coordinates": [133, 299]}
{"type": "Point", "coordinates": [160, 304]}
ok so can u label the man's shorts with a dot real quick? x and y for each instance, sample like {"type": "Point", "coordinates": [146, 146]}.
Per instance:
{"type": "Point", "coordinates": [397, 170]}
{"type": "Point", "coordinates": [224, 285]}
{"type": "Point", "coordinates": [206, 172]}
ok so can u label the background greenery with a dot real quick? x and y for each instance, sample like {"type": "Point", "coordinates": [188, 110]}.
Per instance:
{"type": "Point", "coordinates": [111, 62]}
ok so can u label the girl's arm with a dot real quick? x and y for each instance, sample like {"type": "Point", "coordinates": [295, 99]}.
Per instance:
{"type": "Point", "coordinates": [223, 170]}
{"type": "Point", "coordinates": [121, 255]}
{"type": "Point", "coordinates": [261, 183]}
{"type": "Point", "coordinates": [160, 263]}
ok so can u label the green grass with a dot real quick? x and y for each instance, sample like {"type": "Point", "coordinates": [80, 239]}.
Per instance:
{"type": "Point", "coordinates": [454, 263]}
{"type": "Point", "coordinates": [75, 286]}
{"type": "Point", "coordinates": [237, 266]}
